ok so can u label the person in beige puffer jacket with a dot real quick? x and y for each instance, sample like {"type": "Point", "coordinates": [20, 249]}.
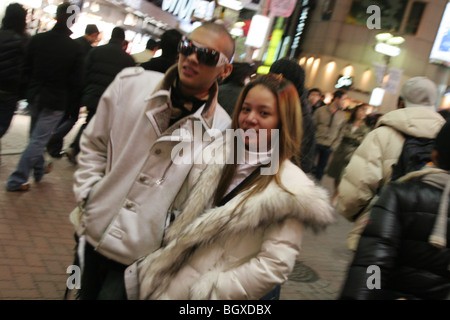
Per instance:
{"type": "Point", "coordinates": [370, 167]}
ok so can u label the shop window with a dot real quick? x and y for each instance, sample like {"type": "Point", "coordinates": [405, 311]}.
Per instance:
{"type": "Point", "coordinates": [415, 15]}
{"type": "Point", "coordinates": [392, 12]}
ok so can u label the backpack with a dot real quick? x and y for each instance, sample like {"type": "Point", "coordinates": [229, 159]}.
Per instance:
{"type": "Point", "coordinates": [416, 153]}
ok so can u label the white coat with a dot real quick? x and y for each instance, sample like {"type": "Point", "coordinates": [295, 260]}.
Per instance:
{"type": "Point", "coordinates": [126, 179]}
{"type": "Point", "coordinates": [220, 253]}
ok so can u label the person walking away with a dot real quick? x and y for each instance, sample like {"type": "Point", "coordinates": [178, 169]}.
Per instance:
{"type": "Point", "coordinates": [12, 49]}
{"type": "Point", "coordinates": [353, 134]}
{"type": "Point", "coordinates": [329, 120]}
{"type": "Point", "coordinates": [295, 73]}
{"type": "Point", "coordinates": [126, 178]}
{"type": "Point", "coordinates": [371, 165]}
{"type": "Point", "coordinates": [53, 64]}
{"type": "Point", "coordinates": [90, 38]}
{"type": "Point", "coordinates": [406, 237]}
{"type": "Point", "coordinates": [239, 229]}
{"type": "Point", "coordinates": [150, 49]}
{"type": "Point", "coordinates": [56, 142]}
{"type": "Point", "coordinates": [230, 88]}
{"type": "Point", "coordinates": [168, 44]}
{"type": "Point", "coordinates": [103, 63]}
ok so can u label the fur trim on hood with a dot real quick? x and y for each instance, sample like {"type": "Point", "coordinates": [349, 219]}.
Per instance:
{"type": "Point", "coordinates": [196, 228]}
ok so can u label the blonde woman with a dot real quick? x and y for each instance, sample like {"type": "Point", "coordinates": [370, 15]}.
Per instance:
{"type": "Point", "coordinates": [239, 228]}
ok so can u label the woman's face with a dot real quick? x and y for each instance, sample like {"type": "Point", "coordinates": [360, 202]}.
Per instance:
{"type": "Point", "coordinates": [259, 112]}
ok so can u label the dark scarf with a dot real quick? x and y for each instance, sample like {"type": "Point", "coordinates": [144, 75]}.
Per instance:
{"type": "Point", "coordinates": [182, 105]}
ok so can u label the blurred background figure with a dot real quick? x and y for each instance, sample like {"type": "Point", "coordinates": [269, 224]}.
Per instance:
{"type": "Point", "coordinates": [315, 98]}
{"type": "Point", "coordinates": [12, 49]}
{"type": "Point", "coordinates": [353, 133]}
{"type": "Point", "coordinates": [89, 39]}
{"type": "Point", "coordinates": [169, 56]}
{"type": "Point", "coordinates": [148, 53]}
{"type": "Point", "coordinates": [330, 120]}
{"type": "Point", "coordinates": [103, 63]}
{"type": "Point", "coordinates": [53, 64]}
{"type": "Point", "coordinates": [406, 236]}
{"type": "Point", "coordinates": [372, 165]}
{"type": "Point", "coordinates": [56, 142]}
{"type": "Point", "coordinates": [230, 88]}
{"type": "Point", "coordinates": [295, 73]}
{"type": "Point", "coordinates": [372, 119]}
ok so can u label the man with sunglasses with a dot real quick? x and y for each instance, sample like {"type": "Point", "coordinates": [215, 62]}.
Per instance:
{"type": "Point", "coordinates": [126, 179]}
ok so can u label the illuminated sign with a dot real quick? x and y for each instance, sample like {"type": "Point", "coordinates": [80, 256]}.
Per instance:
{"type": "Point", "coordinates": [181, 8]}
{"type": "Point", "coordinates": [440, 53]}
{"type": "Point", "coordinates": [344, 82]}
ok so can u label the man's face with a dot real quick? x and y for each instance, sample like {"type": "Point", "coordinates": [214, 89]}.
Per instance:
{"type": "Point", "coordinates": [198, 77]}
{"type": "Point", "coordinates": [314, 97]}
{"type": "Point", "coordinates": [92, 39]}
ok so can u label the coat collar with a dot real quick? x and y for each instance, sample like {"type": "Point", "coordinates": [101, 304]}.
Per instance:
{"type": "Point", "coordinates": [159, 104]}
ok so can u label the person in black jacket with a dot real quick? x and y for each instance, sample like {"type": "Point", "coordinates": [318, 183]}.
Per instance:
{"type": "Point", "coordinates": [55, 144]}
{"type": "Point", "coordinates": [12, 49]}
{"type": "Point", "coordinates": [168, 45]}
{"type": "Point", "coordinates": [404, 251]}
{"type": "Point", "coordinates": [53, 65]}
{"type": "Point", "coordinates": [103, 63]}
{"type": "Point", "coordinates": [295, 73]}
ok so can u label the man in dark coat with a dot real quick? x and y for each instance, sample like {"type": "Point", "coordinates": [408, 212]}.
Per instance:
{"type": "Point", "coordinates": [55, 145]}
{"type": "Point", "coordinates": [53, 65]}
{"type": "Point", "coordinates": [168, 44]}
{"type": "Point", "coordinates": [103, 63]}
{"type": "Point", "coordinates": [89, 38]}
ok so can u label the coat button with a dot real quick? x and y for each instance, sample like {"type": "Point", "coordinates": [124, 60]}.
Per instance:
{"type": "Point", "coordinates": [143, 179]}
{"type": "Point", "coordinates": [158, 151]}
{"type": "Point", "coordinates": [129, 205]}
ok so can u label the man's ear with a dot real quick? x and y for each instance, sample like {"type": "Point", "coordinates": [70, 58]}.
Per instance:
{"type": "Point", "coordinates": [226, 71]}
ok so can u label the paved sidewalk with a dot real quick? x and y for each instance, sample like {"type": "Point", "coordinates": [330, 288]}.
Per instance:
{"type": "Point", "coordinates": [36, 236]}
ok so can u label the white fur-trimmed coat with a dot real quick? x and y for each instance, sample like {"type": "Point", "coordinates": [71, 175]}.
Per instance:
{"type": "Point", "coordinates": [217, 254]}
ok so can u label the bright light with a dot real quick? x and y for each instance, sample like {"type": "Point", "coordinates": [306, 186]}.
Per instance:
{"type": "Point", "coordinates": [310, 60]}
{"type": "Point", "coordinates": [395, 41]}
{"type": "Point", "coordinates": [330, 66]}
{"type": "Point", "coordinates": [257, 32]}
{"type": "Point", "coordinates": [377, 97]}
{"type": "Point", "coordinates": [302, 61]}
{"type": "Point", "coordinates": [51, 9]}
{"type": "Point", "coordinates": [232, 4]}
{"type": "Point", "coordinates": [387, 49]}
{"type": "Point", "coordinates": [383, 36]}
{"type": "Point", "coordinates": [348, 71]}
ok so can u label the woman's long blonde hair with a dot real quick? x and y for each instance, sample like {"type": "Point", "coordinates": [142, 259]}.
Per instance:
{"type": "Point", "coordinates": [290, 131]}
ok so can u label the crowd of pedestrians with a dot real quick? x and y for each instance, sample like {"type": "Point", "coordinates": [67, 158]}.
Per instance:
{"type": "Point", "coordinates": [170, 206]}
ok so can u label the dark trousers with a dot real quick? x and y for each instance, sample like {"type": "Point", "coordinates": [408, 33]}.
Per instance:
{"type": "Point", "coordinates": [102, 278]}
{"type": "Point", "coordinates": [55, 145]}
{"type": "Point", "coordinates": [322, 154]}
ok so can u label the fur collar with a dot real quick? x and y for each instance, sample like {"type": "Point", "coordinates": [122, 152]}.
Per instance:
{"type": "Point", "coordinates": [195, 227]}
